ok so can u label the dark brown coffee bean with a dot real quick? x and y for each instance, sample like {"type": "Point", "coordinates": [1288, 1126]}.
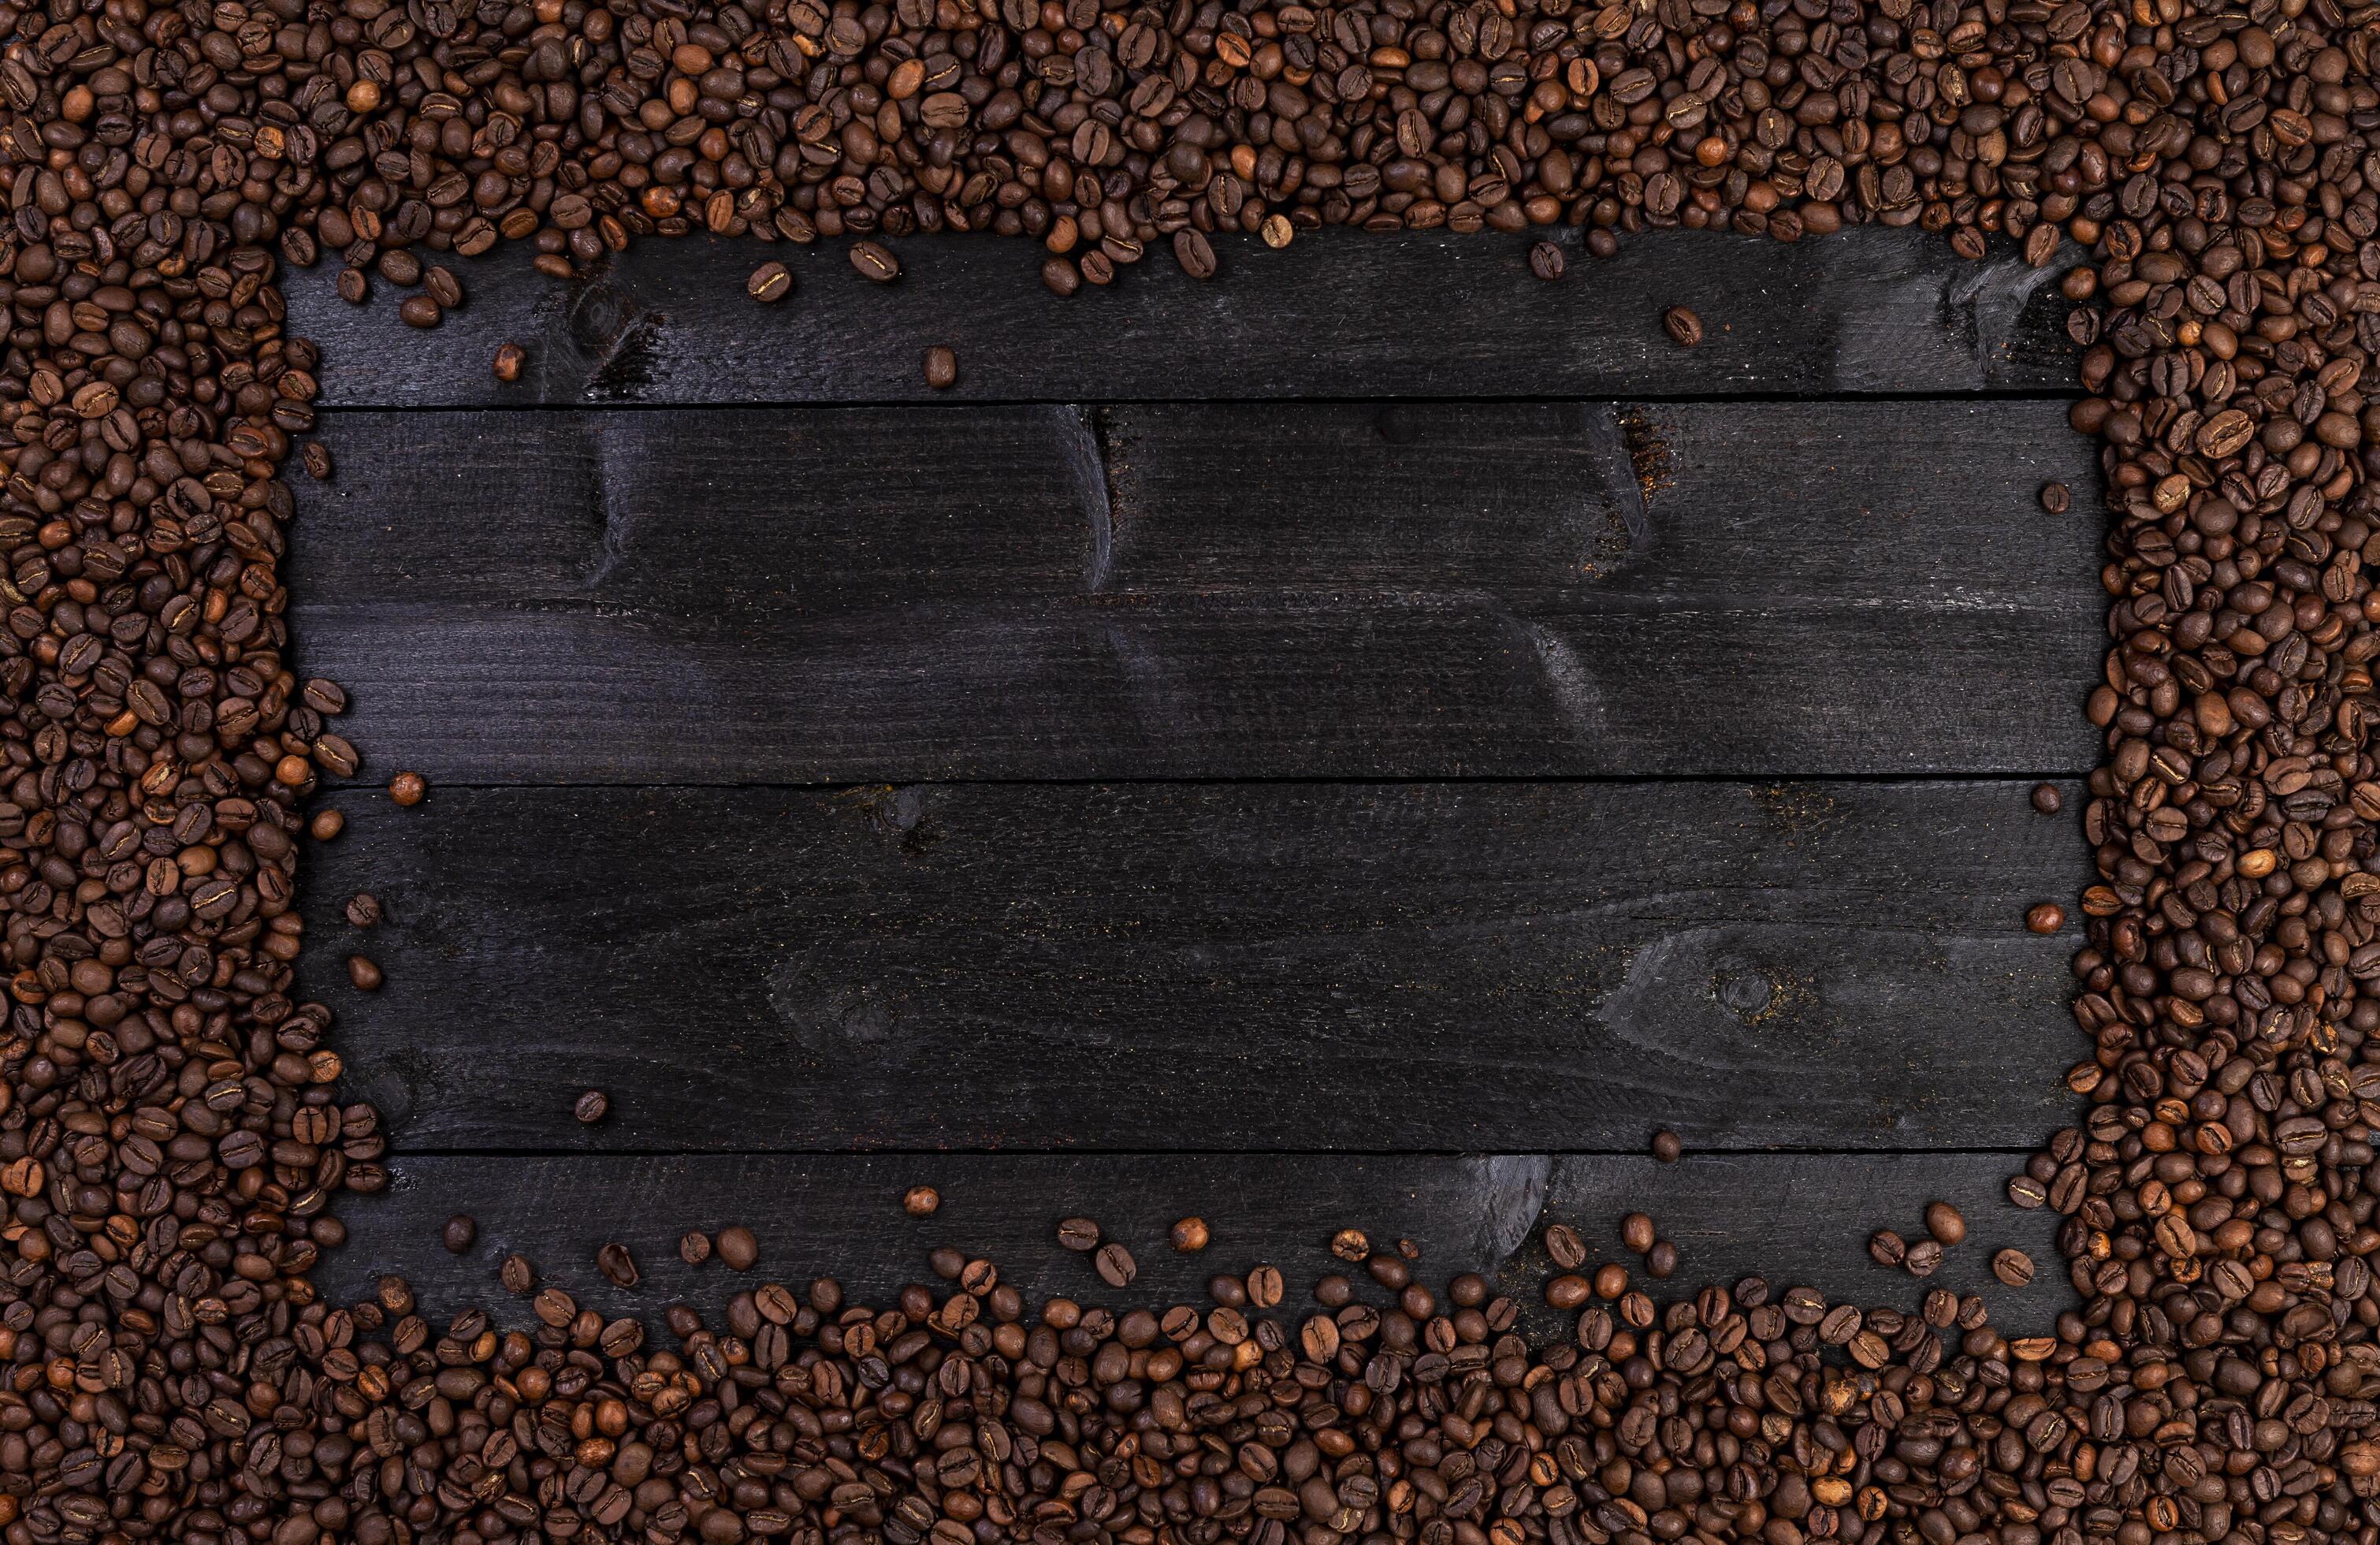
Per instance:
{"type": "Point", "coordinates": [2012, 1267]}
{"type": "Point", "coordinates": [1546, 261]}
{"type": "Point", "coordinates": [510, 358]}
{"type": "Point", "coordinates": [615, 1261]}
{"type": "Point", "coordinates": [921, 1202]}
{"type": "Point", "coordinates": [1116, 1266]}
{"type": "Point", "coordinates": [461, 1230]}
{"type": "Point", "coordinates": [516, 1275]}
{"type": "Point", "coordinates": [420, 311]}
{"type": "Point", "coordinates": [408, 788]}
{"type": "Point", "coordinates": [364, 974]}
{"type": "Point", "coordinates": [2055, 499]}
{"type": "Point", "coordinates": [316, 460]}
{"type": "Point", "coordinates": [875, 262]}
{"type": "Point", "coordinates": [1610, 1281]}
{"type": "Point", "coordinates": [737, 1248]}
{"type": "Point", "coordinates": [327, 825]}
{"type": "Point", "coordinates": [1945, 1223]}
{"type": "Point", "coordinates": [363, 910]}
{"type": "Point", "coordinates": [2046, 918]}
{"type": "Point", "coordinates": [1264, 1286]}
{"type": "Point", "coordinates": [1661, 1259]}
{"type": "Point", "coordinates": [1061, 276]}
{"type": "Point", "coordinates": [442, 287]}
{"type": "Point", "coordinates": [1192, 251]}
{"type": "Point", "coordinates": [1667, 1147]}
{"type": "Point", "coordinates": [1563, 1245]}
{"type": "Point", "coordinates": [941, 367]}
{"type": "Point", "coordinates": [1887, 1247]}
{"type": "Point", "coordinates": [1078, 1234]}
{"type": "Point", "coordinates": [1190, 1234]}
{"type": "Point", "coordinates": [591, 1107]}
{"type": "Point", "coordinates": [772, 282]}
{"type": "Point", "coordinates": [1637, 1232]}
{"type": "Point", "coordinates": [1684, 328]}
{"type": "Point", "coordinates": [1924, 1259]}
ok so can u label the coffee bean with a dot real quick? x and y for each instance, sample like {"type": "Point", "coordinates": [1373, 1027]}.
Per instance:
{"type": "Point", "coordinates": [2045, 798]}
{"type": "Point", "coordinates": [317, 461]}
{"type": "Point", "coordinates": [1610, 1281]}
{"type": "Point", "coordinates": [591, 1107]}
{"type": "Point", "coordinates": [1264, 1286]}
{"type": "Point", "coordinates": [694, 1246]}
{"type": "Point", "coordinates": [2046, 918]}
{"type": "Point", "coordinates": [2055, 499]}
{"type": "Point", "coordinates": [2012, 1267]}
{"type": "Point", "coordinates": [363, 973]}
{"type": "Point", "coordinates": [1277, 231]}
{"type": "Point", "coordinates": [1563, 1245]}
{"type": "Point", "coordinates": [737, 1248]}
{"type": "Point", "coordinates": [1945, 1223]}
{"type": "Point", "coordinates": [615, 1261]}
{"type": "Point", "coordinates": [1887, 1248]}
{"type": "Point", "coordinates": [1061, 278]}
{"type": "Point", "coordinates": [1546, 261]}
{"type": "Point", "coordinates": [771, 282]}
{"type": "Point", "coordinates": [420, 311]}
{"type": "Point", "coordinates": [1924, 1259]}
{"type": "Point", "coordinates": [1667, 1147]}
{"type": "Point", "coordinates": [1096, 269]}
{"type": "Point", "coordinates": [1190, 1234]}
{"type": "Point", "coordinates": [442, 287]}
{"type": "Point", "coordinates": [1192, 251]}
{"type": "Point", "coordinates": [461, 1230]}
{"type": "Point", "coordinates": [1661, 1259]}
{"type": "Point", "coordinates": [1351, 1244]}
{"type": "Point", "coordinates": [1684, 328]}
{"type": "Point", "coordinates": [510, 358]}
{"type": "Point", "coordinates": [875, 262]}
{"type": "Point", "coordinates": [516, 1275]}
{"type": "Point", "coordinates": [363, 910]}
{"type": "Point", "coordinates": [327, 825]}
{"type": "Point", "coordinates": [921, 1202]}
{"type": "Point", "coordinates": [1078, 1234]}
{"type": "Point", "coordinates": [1115, 1265]}
{"type": "Point", "coordinates": [941, 367]}
{"type": "Point", "coordinates": [409, 789]}
{"type": "Point", "coordinates": [1637, 1232]}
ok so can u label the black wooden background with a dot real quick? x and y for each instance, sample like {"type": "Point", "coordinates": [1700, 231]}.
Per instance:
{"type": "Point", "coordinates": [1359, 742]}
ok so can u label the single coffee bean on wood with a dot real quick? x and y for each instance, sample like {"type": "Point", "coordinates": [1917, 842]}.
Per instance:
{"type": "Point", "coordinates": [2012, 1267]}
{"type": "Point", "coordinates": [1078, 1234]}
{"type": "Point", "coordinates": [1684, 328]}
{"type": "Point", "coordinates": [941, 367]}
{"type": "Point", "coordinates": [591, 1107]}
{"type": "Point", "coordinates": [1115, 1265]}
{"type": "Point", "coordinates": [737, 1248]}
{"type": "Point", "coordinates": [461, 1230]}
{"type": "Point", "coordinates": [1190, 1234]}
{"type": "Point", "coordinates": [363, 910]}
{"type": "Point", "coordinates": [770, 282]}
{"type": "Point", "coordinates": [1546, 261]}
{"type": "Point", "coordinates": [1945, 1223]}
{"type": "Point", "coordinates": [921, 1202]}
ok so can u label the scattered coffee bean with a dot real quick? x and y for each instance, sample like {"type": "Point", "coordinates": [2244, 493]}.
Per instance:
{"type": "Point", "coordinates": [317, 461]}
{"type": "Point", "coordinates": [875, 262]}
{"type": "Point", "coordinates": [1546, 261]}
{"type": "Point", "coordinates": [2046, 918]}
{"type": "Point", "coordinates": [921, 1202]}
{"type": "Point", "coordinates": [1637, 1232]}
{"type": "Point", "coordinates": [408, 788]}
{"type": "Point", "coordinates": [1661, 1259]}
{"type": "Point", "coordinates": [327, 825]}
{"type": "Point", "coordinates": [363, 910]}
{"type": "Point", "coordinates": [363, 973]}
{"type": "Point", "coordinates": [1115, 1265]}
{"type": "Point", "coordinates": [1276, 230]}
{"type": "Point", "coordinates": [941, 368]}
{"type": "Point", "coordinates": [461, 1230]}
{"type": "Point", "coordinates": [1610, 1281]}
{"type": "Point", "coordinates": [2012, 1267]}
{"type": "Point", "coordinates": [1684, 328]}
{"type": "Point", "coordinates": [1061, 278]}
{"type": "Point", "coordinates": [1667, 1147]}
{"type": "Point", "coordinates": [1078, 1234]}
{"type": "Point", "coordinates": [1945, 1223]}
{"type": "Point", "coordinates": [442, 287]}
{"type": "Point", "coordinates": [517, 1275]}
{"type": "Point", "coordinates": [694, 1246]}
{"type": "Point", "coordinates": [615, 1261]}
{"type": "Point", "coordinates": [1924, 1259]}
{"type": "Point", "coordinates": [1566, 1248]}
{"type": "Point", "coordinates": [1351, 1244]}
{"type": "Point", "coordinates": [1194, 253]}
{"type": "Point", "coordinates": [771, 282]}
{"type": "Point", "coordinates": [1887, 1248]}
{"type": "Point", "coordinates": [1190, 1234]}
{"type": "Point", "coordinates": [2046, 800]}
{"type": "Point", "coordinates": [737, 1248]}
{"type": "Point", "coordinates": [591, 1107]}
{"type": "Point", "coordinates": [420, 311]}
{"type": "Point", "coordinates": [2055, 499]}
{"type": "Point", "coordinates": [510, 358]}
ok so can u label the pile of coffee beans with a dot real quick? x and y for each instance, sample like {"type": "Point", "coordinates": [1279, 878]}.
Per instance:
{"type": "Point", "coordinates": [172, 1141]}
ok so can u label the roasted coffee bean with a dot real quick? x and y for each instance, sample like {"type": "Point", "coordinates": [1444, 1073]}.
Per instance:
{"type": "Point", "coordinates": [420, 311]}
{"type": "Point", "coordinates": [694, 1246]}
{"type": "Point", "coordinates": [317, 461]}
{"type": "Point", "coordinates": [442, 287]}
{"type": "Point", "coordinates": [1546, 261]}
{"type": "Point", "coordinates": [461, 1230]}
{"type": "Point", "coordinates": [921, 1202]}
{"type": "Point", "coordinates": [941, 367]}
{"type": "Point", "coordinates": [327, 825]}
{"type": "Point", "coordinates": [737, 1248]}
{"type": "Point", "coordinates": [2055, 499]}
{"type": "Point", "coordinates": [1567, 1250]}
{"type": "Point", "coordinates": [363, 973]}
{"type": "Point", "coordinates": [408, 788]}
{"type": "Point", "coordinates": [1610, 1281]}
{"type": "Point", "coordinates": [1637, 1232]}
{"type": "Point", "coordinates": [1194, 253]}
{"type": "Point", "coordinates": [1351, 1244]}
{"type": "Point", "coordinates": [1667, 1147]}
{"type": "Point", "coordinates": [875, 262]}
{"type": "Point", "coordinates": [591, 1107]}
{"type": "Point", "coordinates": [1190, 1234]}
{"type": "Point", "coordinates": [1115, 1265]}
{"type": "Point", "coordinates": [1684, 328]}
{"type": "Point", "coordinates": [615, 1261]}
{"type": "Point", "coordinates": [2012, 1267]}
{"type": "Point", "coordinates": [1661, 1259]}
{"type": "Point", "coordinates": [771, 282]}
{"type": "Point", "coordinates": [1061, 276]}
{"type": "Point", "coordinates": [363, 910]}
{"type": "Point", "coordinates": [1887, 1248]}
{"type": "Point", "coordinates": [2046, 918]}
{"type": "Point", "coordinates": [2046, 800]}
{"type": "Point", "coordinates": [517, 1275]}
{"type": "Point", "coordinates": [1277, 231]}
{"type": "Point", "coordinates": [1945, 1223]}
{"type": "Point", "coordinates": [1923, 1258]}
{"type": "Point", "coordinates": [1078, 1234]}
{"type": "Point", "coordinates": [510, 358]}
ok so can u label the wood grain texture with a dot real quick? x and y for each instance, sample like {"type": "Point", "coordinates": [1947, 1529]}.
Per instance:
{"type": "Point", "coordinates": [1344, 314]}
{"type": "Point", "coordinates": [789, 596]}
{"type": "Point", "coordinates": [1799, 1219]}
{"type": "Point", "coordinates": [1434, 966]}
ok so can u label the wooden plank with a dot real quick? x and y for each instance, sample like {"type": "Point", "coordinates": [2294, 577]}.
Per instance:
{"type": "Point", "coordinates": [1448, 966]}
{"type": "Point", "coordinates": [1799, 1219]}
{"type": "Point", "coordinates": [1416, 315]}
{"type": "Point", "coordinates": [1185, 591]}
